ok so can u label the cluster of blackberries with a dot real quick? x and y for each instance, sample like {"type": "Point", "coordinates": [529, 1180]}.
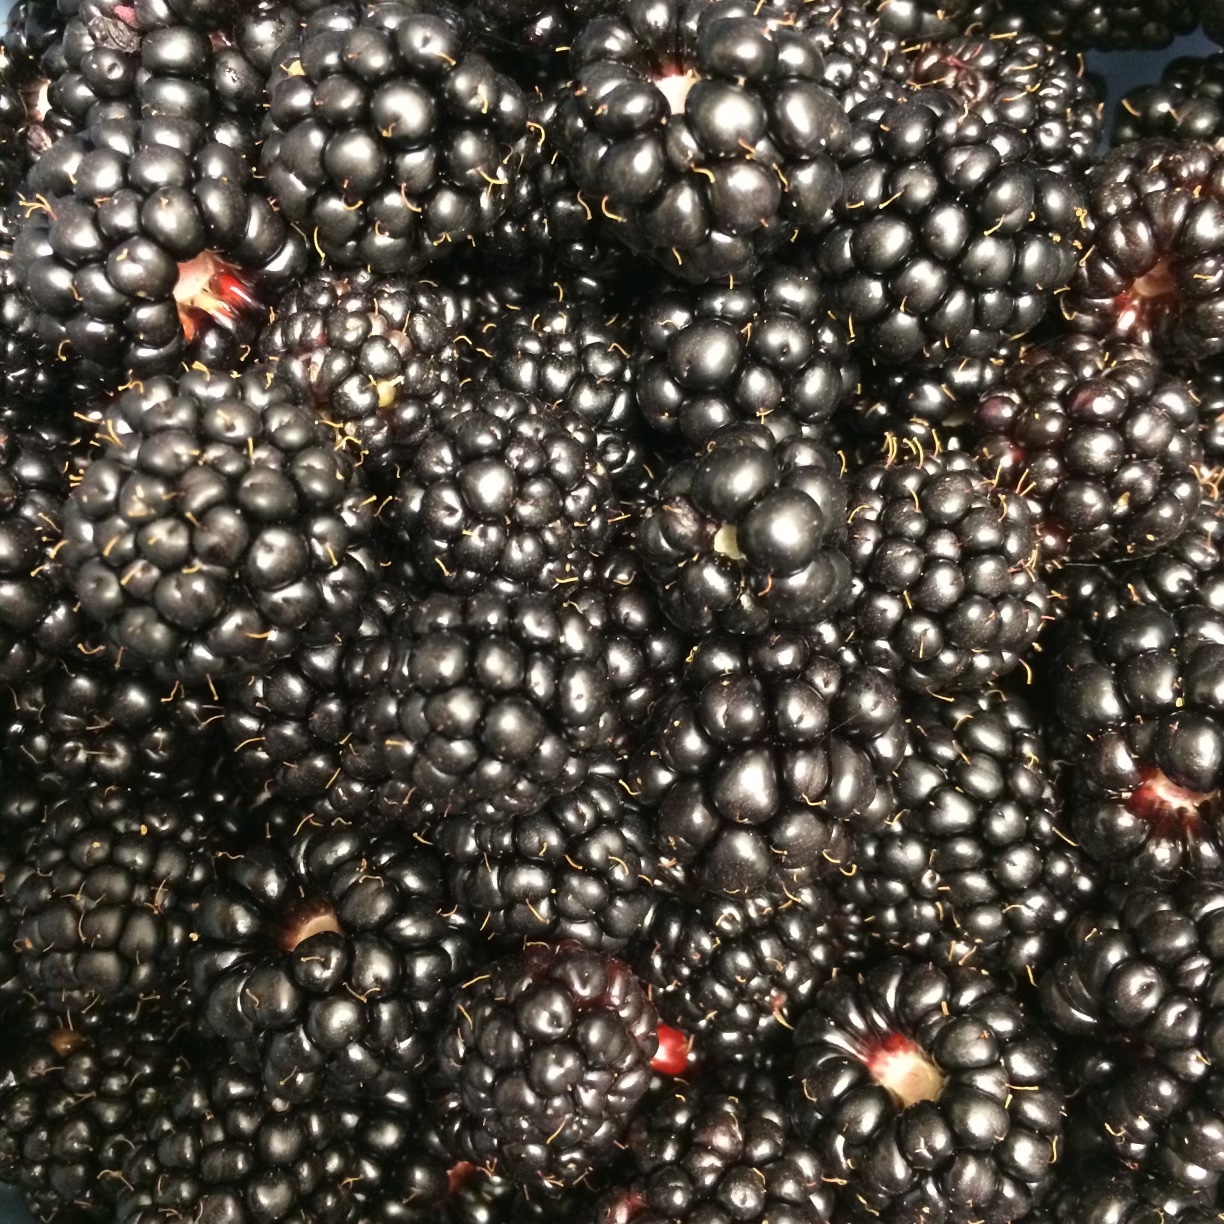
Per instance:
{"type": "Point", "coordinates": [611, 612]}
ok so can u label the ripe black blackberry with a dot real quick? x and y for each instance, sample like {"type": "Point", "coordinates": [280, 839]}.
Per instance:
{"type": "Point", "coordinates": [1188, 103]}
{"type": "Point", "coordinates": [544, 1060]}
{"type": "Point", "coordinates": [326, 960]}
{"type": "Point", "coordinates": [949, 236]}
{"type": "Point", "coordinates": [910, 19]}
{"type": "Point", "coordinates": [702, 131]}
{"type": "Point", "coordinates": [744, 537]}
{"type": "Point", "coordinates": [216, 526]}
{"type": "Point", "coordinates": [13, 149]}
{"type": "Point", "coordinates": [1141, 981]}
{"type": "Point", "coordinates": [1111, 1194]}
{"type": "Point", "coordinates": [862, 58]}
{"type": "Point", "coordinates": [1110, 25]}
{"type": "Point", "coordinates": [1101, 440]}
{"type": "Point", "coordinates": [927, 1093]}
{"type": "Point", "coordinates": [504, 489]}
{"type": "Point", "coordinates": [147, 243]}
{"type": "Point", "coordinates": [389, 140]}
{"type": "Point", "coordinates": [764, 350]}
{"type": "Point", "coordinates": [973, 865]}
{"type": "Point", "coordinates": [764, 758]}
{"type": "Point", "coordinates": [29, 378]}
{"type": "Point", "coordinates": [701, 1154]}
{"type": "Point", "coordinates": [945, 594]}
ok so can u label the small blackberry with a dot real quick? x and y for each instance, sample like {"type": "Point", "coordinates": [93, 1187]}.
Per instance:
{"type": "Point", "coordinates": [1110, 25]}
{"type": "Point", "coordinates": [216, 526]}
{"type": "Point", "coordinates": [927, 1093]}
{"type": "Point", "coordinates": [862, 58]}
{"type": "Point", "coordinates": [744, 537]}
{"type": "Point", "coordinates": [389, 140]}
{"type": "Point", "coordinates": [545, 1059]}
{"type": "Point", "coordinates": [1101, 441]}
{"type": "Point", "coordinates": [1187, 104]}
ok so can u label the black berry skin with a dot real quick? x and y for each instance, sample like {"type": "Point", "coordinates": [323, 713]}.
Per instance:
{"type": "Point", "coordinates": [545, 1058]}
{"type": "Point", "coordinates": [389, 141]}
{"type": "Point", "coordinates": [702, 130]}
{"type": "Point", "coordinates": [1110, 25]}
{"type": "Point", "coordinates": [1101, 440]}
{"type": "Point", "coordinates": [945, 593]}
{"type": "Point", "coordinates": [1109, 1191]}
{"type": "Point", "coordinates": [30, 378]}
{"type": "Point", "coordinates": [948, 236]}
{"type": "Point", "coordinates": [744, 537]}
{"type": "Point", "coordinates": [13, 152]}
{"type": "Point", "coordinates": [862, 58]}
{"type": "Point", "coordinates": [927, 1093]}
{"type": "Point", "coordinates": [1188, 103]}
{"type": "Point", "coordinates": [217, 526]}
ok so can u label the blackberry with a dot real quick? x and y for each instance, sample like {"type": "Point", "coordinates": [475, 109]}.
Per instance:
{"type": "Point", "coordinates": [217, 526]}
{"type": "Point", "coordinates": [702, 131]}
{"type": "Point", "coordinates": [543, 1063]}
{"type": "Point", "coordinates": [765, 350]}
{"type": "Point", "coordinates": [29, 381]}
{"type": "Point", "coordinates": [1111, 25]}
{"type": "Point", "coordinates": [1207, 388]}
{"type": "Point", "coordinates": [973, 866]}
{"type": "Point", "coordinates": [1141, 980]}
{"type": "Point", "coordinates": [389, 140]}
{"type": "Point", "coordinates": [13, 151]}
{"type": "Point", "coordinates": [504, 489]}
{"type": "Point", "coordinates": [706, 1155]}
{"type": "Point", "coordinates": [927, 1093]}
{"type": "Point", "coordinates": [745, 536]}
{"type": "Point", "coordinates": [1101, 440]}
{"type": "Point", "coordinates": [327, 963]}
{"type": "Point", "coordinates": [909, 19]}
{"type": "Point", "coordinates": [949, 237]}
{"type": "Point", "coordinates": [862, 59]}
{"type": "Point", "coordinates": [147, 243]}
{"type": "Point", "coordinates": [765, 756]}
{"type": "Point", "coordinates": [1187, 103]}
{"type": "Point", "coordinates": [731, 971]}
{"type": "Point", "coordinates": [1111, 1195]}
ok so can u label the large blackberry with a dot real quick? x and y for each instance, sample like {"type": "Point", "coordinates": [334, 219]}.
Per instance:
{"type": "Point", "coordinates": [745, 536]}
{"type": "Point", "coordinates": [217, 525]}
{"type": "Point", "coordinates": [1110, 24]}
{"type": "Point", "coordinates": [973, 865]}
{"type": "Point", "coordinates": [545, 1059]}
{"type": "Point", "coordinates": [764, 757]}
{"type": "Point", "coordinates": [702, 130]}
{"type": "Point", "coordinates": [702, 1155]}
{"type": "Point", "coordinates": [765, 350]}
{"type": "Point", "coordinates": [949, 236]}
{"type": "Point", "coordinates": [328, 963]}
{"type": "Point", "coordinates": [1103, 443]}
{"type": "Point", "coordinates": [1188, 103]}
{"type": "Point", "coordinates": [1141, 981]}
{"type": "Point", "coordinates": [146, 243]}
{"type": "Point", "coordinates": [927, 1093]}
{"type": "Point", "coordinates": [389, 140]}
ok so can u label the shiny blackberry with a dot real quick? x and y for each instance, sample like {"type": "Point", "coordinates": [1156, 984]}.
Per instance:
{"type": "Point", "coordinates": [910, 19]}
{"type": "Point", "coordinates": [544, 1061]}
{"type": "Point", "coordinates": [1108, 1194]}
{"type": "Point", "coordinates": [1110, 25]}
{"type": "Point", "coordinates": [1207, 388]}
{"type": "Point", "coordinates": [764, 350]}
{"type": "Point", "coordinates": [29, 377]}
{"type": "Point", "coordinates": [926, 1092]}
{"type": "Point", "coordinates": [974, 865]}
{"type": "Point", "coordinates": [861, 58]}
{"type": "Point", "coordinates": [726, 89]}
{"type": "Point", "coordinates": [945, 594]}
{"type": "Point", "coordinates": [216, 526]}
{"type": "Point", "coordinates": [13, 149]}
{"type": "Point", "coordinates": [1187, 103]}
{"type": "Point", "coordinates": [147, 243]}
{"type": "Point", "coordinates": [745, 537]}
{"type": "Point", "coordinates": [1101, 440]}
{"type": "Point", "coordinates": [389, 139]}
{"type": "Point", "coordinates": [1140, 982]}
{"type": "Point", "coordinates": [948, 236]}
{"type": "Point", "coordinates": [764, 758]}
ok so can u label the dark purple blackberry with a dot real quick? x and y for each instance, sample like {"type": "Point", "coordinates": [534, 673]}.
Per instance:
{"type": "Point", "coordinates": [377, 357]}
{"type": "Point", "coordinates": [730, 971]}
{"type": "Point", "coordinates": [30, 377]}
{"type": "Point", "coordinates": [505, 489]}
{"type": "Point", "coordinates": [1187, 104]}
{"type": "Point", "coordinates": [1141, 982]}
{"type": "Point", "coordinates": [217, 526]}
{"type": "Point", "coordinates": [764, 758]}
{"type": "Point", "coordinates": [147, 243]}
{"type": "Point", "coordinates": [949, 236]}
{"type": "Point", "coordinates": [703, 1155]}
{"type": "Point", "coordinates": [327, 960]}
{"type": "Point", "coordinates": [927, 1093]}
{"type": "Point", "coordinates": [1207, 388]}
{"type": "Point", "coordinates": [104, 896]}
{"type": "Point", "coordinates": [13, 148]}
{"type": "Point", "coordinates": [1101, 441]}
{"type": "Point", "coordinates": [702, 131]}
{"type": "Point", "coordinates": [744, 537]}
{"type": "Point", "coordinates": [389, 140]}
{"type": "Point", "coordinates": [1110, 25]}
{"type": "Point", "coordinates": [945, 594]}
{"type": "Point", "coordinates": [973, 865]}
{"type": "Point", "coordinates": [578, 869]}
{"type": "Point", "coordinates": [764, 351]}
{"type": "Point", "coordinates": [910, 19]}
{"type": "Point", "coordinates": [543, 1063]}
{"type": "Point", "coordinates": [862, 59]}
